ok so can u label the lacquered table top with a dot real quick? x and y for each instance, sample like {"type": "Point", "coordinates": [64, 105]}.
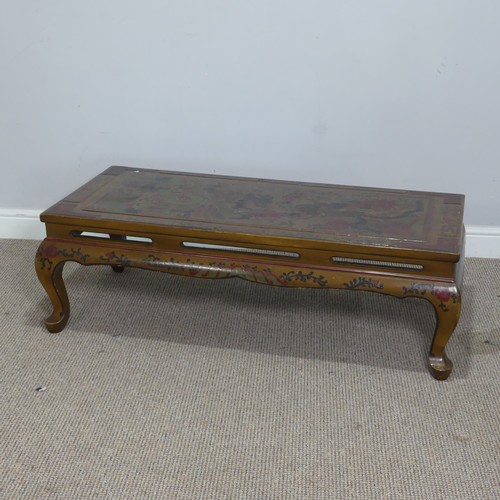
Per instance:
{"type": "Point", "coordinates": [396, 219]}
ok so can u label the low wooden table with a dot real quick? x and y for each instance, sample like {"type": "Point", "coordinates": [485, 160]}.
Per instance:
{"type": "Point", "coordinates": [400, 243]}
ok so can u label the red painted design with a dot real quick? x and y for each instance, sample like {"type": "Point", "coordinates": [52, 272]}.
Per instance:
{"type": "Point", "coordinates": [50, 251]}
{"type": "Point", "coordinates": [443, 294]}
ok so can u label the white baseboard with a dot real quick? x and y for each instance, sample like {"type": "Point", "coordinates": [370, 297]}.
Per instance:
{"type": "Point", "coordinates": [21, 224]}
{"type": "Point", "coordinates": [481, 241]}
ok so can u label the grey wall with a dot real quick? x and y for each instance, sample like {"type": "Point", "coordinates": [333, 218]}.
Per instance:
{"type": "Point", "coordinates": [395, 94]}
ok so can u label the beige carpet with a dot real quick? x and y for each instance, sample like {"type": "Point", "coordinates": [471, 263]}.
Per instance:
{"type": "Point", "coordinates": [170, 387]}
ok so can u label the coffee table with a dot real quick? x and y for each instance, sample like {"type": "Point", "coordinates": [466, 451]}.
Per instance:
{"type": "Point", "coordinates": [280, 233]}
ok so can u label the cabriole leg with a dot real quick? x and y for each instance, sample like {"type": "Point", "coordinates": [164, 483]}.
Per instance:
{"type": "Point", "coordinates": [117, 268]}
{"type": "Point", "coordinates": [50, 276]}
{"type": "Point", "coordinates": [447, 309]}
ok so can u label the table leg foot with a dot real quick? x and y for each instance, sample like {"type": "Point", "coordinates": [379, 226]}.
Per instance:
{"type": "Point", "coordinates": [51, 279]}
{"type": "Point", "coordinates": [118, 269]}
{"type": "Point", "coordinates": [440, 366]}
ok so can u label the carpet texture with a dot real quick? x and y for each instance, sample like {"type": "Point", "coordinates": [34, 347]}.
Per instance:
{"type": "Point", "coordinates": [169, 387]}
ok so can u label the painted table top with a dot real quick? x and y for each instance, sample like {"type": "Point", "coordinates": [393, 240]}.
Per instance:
{"type": "Point", "coordinates": [317, 212]}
